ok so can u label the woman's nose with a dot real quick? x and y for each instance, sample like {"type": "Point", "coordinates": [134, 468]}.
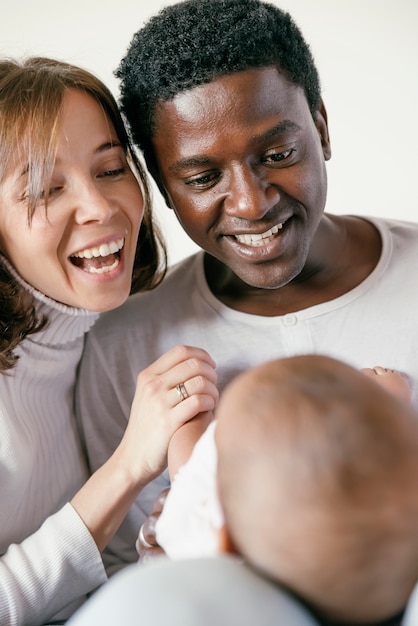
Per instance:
{"type": "Point", "coordinates": [93, 205]}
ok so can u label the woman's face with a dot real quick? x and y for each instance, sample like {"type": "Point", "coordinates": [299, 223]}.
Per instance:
{"type": "Point", "coordinates": [81, 251]}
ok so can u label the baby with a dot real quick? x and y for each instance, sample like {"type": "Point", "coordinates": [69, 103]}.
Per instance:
{"type": "Point", "coordinates": [317, 471]}
{"type": "Point", "coordinates": [317, 476]}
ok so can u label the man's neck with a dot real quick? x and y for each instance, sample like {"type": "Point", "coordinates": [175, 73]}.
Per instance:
{"type": "Point", "coordinates": [350, 254]}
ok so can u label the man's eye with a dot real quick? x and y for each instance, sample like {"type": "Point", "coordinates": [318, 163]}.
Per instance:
{"type": "Point", "coordinates": [278, 157]}
{"type": "Point", "coordinates": [203, 180]}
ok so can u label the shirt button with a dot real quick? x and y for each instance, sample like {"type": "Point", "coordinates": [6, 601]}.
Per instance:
{"type": "Point", "coordinates": [290, 320]}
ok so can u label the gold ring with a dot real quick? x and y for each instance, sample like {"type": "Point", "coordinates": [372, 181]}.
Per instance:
{"type": "Point", "coordinates": [182, 391]}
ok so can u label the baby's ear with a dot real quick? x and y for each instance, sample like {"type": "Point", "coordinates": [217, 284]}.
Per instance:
{"type": "Point", "coordinates": [226, 544]}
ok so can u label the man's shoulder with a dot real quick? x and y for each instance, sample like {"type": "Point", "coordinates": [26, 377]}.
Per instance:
{"type": "Point", "coordinates": [399, 243]}
{"type": "Point", "coordinates": [395, 227]}
{"type": "Point", "coordinates": [143, 307]}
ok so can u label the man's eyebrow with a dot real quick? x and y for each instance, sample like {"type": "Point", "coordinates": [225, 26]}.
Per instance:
{"type": "Point", "coordinates": [280, 129]}
{"type": "Point", "coordinates": [202, 161]}
{"type": "Point", "coordinates": [193, 161]}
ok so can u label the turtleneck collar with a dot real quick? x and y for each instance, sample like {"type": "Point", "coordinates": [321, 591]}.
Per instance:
{"type": "Point", "coordinates": [66, 323]}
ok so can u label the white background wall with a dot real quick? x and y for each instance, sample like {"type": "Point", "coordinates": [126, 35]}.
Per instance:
{"type": "Point", "coordinates": [367, 54]}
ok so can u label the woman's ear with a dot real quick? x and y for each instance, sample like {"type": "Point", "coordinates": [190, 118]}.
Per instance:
{"type": "Point", "coordinates": [226, 545]}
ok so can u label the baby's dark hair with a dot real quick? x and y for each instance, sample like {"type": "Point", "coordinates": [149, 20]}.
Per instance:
{"type": "Point", "coordinates": [197, 41]}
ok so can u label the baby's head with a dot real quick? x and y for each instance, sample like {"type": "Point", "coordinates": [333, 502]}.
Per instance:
{"type": "Point", "coordinates": [317, 475]}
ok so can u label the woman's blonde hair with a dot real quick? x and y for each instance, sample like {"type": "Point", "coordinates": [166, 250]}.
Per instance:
{"type": "Point", "coordinates": [31, 97]}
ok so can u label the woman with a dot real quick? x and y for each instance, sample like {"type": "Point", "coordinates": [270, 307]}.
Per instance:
{"type": "Point", "coordinates": [75, 238]}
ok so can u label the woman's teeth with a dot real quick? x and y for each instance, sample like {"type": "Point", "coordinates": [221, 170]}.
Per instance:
{"type": "Point", "coordinates": [104, 250]}
{"type": "Point", "coordinates": [261, 239]}
{"type": "Point", "coordinates": [99, 260]}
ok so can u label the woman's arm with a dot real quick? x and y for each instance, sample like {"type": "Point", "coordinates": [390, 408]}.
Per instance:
{"type": "Point", "coordinates": [157, 413]}
{"type": "Point", "coordinates": [61, 562]}
{"type": "Point", "coordinates": [55, 567]}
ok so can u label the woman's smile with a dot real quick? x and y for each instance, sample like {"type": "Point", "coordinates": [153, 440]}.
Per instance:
{"type": "Point", "coordinates": [85, 226]}
{"type": "Point", "coordinates": [99, 259]}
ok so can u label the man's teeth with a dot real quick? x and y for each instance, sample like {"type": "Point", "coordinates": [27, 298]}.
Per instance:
{"type": "Point", "coordinates": [104, 250]}
{"type": "Point", "coordinates": [261, 239]}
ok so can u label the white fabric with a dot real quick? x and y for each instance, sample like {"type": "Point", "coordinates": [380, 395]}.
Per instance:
{"type": "Point", "coordinates": [374, 324]}
{"type": "Point", "coordinates": [202, 592]}
{"type": "Point", "coordinates": [192, 517]}
{"type": "Point", "coordinates": [411, 612]}
{"type": "Point", "coordinates": [49, 558]}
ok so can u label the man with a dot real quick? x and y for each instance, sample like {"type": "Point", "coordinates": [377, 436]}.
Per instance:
{"type": "Point", "coordinates": [224, 99]}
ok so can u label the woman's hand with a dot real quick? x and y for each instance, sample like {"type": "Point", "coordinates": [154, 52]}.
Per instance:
{"type": "Point", "coordinates": [173, 390]}
{"type": "Point", "coordinates": [170, 392]}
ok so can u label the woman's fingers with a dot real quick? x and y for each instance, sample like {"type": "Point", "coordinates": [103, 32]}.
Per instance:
{"type": "Point", "coordinates": [180, 374]}
{"type": "Point", "coordinates": [192, 392]}
{"type": "Point", "coordinates": [175, 371]}
{"type": "Point", "coordinates": [178, 355]}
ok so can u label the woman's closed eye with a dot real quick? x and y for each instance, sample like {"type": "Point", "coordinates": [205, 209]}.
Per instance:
{"type": "Point", "coordinates": [113, 173]}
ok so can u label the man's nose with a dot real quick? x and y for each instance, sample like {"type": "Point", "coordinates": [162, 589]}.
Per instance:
{"type": "Point", "coordinates": [249, 195]}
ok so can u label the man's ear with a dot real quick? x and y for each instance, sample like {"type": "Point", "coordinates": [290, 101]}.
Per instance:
{"type": "Point", "coordinates": [226, 545]}
{"type": "Point", "coordinates": [155, 173]}
{"type": "Point", "coordinates": [321, 123]}
{"type": "Point", "coordinates": [163, 191]}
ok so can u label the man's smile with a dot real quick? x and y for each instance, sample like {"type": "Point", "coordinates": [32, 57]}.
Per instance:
{"type": "Point", "coordinates": [261, 239]}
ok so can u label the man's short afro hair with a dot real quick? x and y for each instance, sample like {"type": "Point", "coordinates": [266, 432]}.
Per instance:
{"type": "Point", "coordinates": [197, 41]}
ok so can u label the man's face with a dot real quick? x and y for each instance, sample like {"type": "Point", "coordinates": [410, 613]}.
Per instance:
{"type": "Point", "coordinates": [242, 163]}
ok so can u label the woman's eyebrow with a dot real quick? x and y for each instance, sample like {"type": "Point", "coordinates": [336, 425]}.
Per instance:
{"type": "Point", "coordinates": [108, 145]}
